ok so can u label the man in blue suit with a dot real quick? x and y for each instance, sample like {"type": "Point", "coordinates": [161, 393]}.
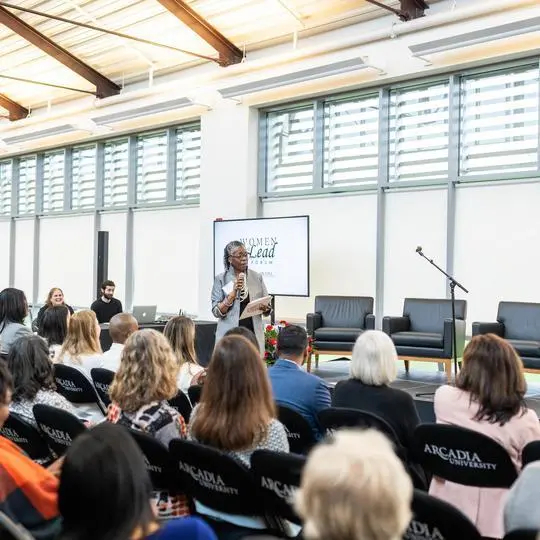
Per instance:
{"type": "Point", "coordinates": [292, 387]}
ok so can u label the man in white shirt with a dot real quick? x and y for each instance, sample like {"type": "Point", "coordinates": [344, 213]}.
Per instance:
{"type": "Point", "coordinates": [121, 327]}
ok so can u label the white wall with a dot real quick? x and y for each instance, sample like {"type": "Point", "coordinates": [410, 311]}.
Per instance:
{"type": "Point", "coordinates": [24, 256]}
{"type": "Point", "coordinates": [116, 224]}
{"type": "Point", "coordinates": [4, 249]}
{"type": "Point", "coordinates": [165, 259]}
{"type": "Point", "coordinates": [342, 252]}
{"type": "Point", "coordinates": [497, 255]}
{"type": "Point", "coordinates": [66, 258]}
{"type": "Point", "coordinates": [413, 218]}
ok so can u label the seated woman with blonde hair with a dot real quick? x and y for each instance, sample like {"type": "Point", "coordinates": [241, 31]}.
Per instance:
{"type": "Point", "coordinates": [489, 398]}
{"type": "Point", "coordinates": [144, 382]}
{"type": "Point", "coordinates": [354, 488]}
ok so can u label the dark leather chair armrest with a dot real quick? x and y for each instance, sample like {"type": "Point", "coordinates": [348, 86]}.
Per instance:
{"type": "Point", "coordinates": [313, 321]}
{"type": "Point", "coordinates": [488, 328]}
{"type": "Point", "coordinates": [369, 322]}
{"type": "Point", "coordinates": [460, 338]}
{"type": "Point", "coordinates": [391, 325]}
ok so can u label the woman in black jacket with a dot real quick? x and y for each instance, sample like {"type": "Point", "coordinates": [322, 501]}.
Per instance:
{"type": "Point", "coordinates": [54, 298]}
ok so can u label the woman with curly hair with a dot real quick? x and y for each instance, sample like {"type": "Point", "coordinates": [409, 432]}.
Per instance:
{"type": "Point", "coordinates": [144, 382]}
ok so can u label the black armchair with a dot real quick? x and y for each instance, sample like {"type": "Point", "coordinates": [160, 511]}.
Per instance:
{"type": "Point", "coordinates": [337, 323]}
{"type": "Point", "coordinates": [424, 333]}
{"type": "Point", "coordinates": [519, 324]}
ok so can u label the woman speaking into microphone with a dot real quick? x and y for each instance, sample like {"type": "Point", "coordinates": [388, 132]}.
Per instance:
{"type": "Point", "coordinates": [234, 289]}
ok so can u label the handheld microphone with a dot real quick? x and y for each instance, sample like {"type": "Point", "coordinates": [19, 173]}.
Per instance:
{"type": "Point", "coordinates": [419, 249]}
{"type": "Point", "coordinates": [242, 276]}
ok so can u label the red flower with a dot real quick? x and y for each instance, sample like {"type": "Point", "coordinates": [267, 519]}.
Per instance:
{"type": "Point", "coordinates": [273, 341]}
{"type": "Point", "coordinates": [269, 327]}
{"type": "Point", "coordinates": [267, 354]}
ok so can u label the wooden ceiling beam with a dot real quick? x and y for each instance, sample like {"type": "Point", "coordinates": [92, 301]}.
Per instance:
{"type": "Point", "coordinates": [16, 110]}
{"type": "Point", "coordinates": [104, 86]}
{"type": "Point", "coordinates": [228, 52]}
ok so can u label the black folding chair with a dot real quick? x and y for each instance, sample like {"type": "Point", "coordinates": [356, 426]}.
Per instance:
{"type": "Point", "coordinates": [463, 456]}
{"type": "Point", "coordinates": [434, 518]}
{"type": "Point", "coordinates": [181, 403]}
{"type": "Point", "coordinates": [158, 461]}
{"type": "Point", "coordinates": [522, 535]}
{"type": "Point", "coordinates": [531, 453]}
{"type": "Point", "coordinates": [299, 432]}
{"type": "Point", "coordinates": [76, 387]}
{"type": "Point", "coordinates": [102, 379]}
{"type": "Point", "coordinates": [278, 476]}
{"type": "Point", "coordinates": [219, 482]}
{"type": "Point", "coordinates": [9, 530]}
{"type": "Point", "coordinates": [194, 393]}
{"type": "Point", "coordinates": [28, 438]}
{"type": "Point", "coordinates": [58, 427]}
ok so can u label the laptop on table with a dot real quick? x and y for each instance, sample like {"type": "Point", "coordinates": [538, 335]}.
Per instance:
{"type": "Point", "coordinates": [145, 314]}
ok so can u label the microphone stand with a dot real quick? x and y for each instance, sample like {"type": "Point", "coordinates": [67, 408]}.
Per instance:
{"type": "Point", "coordinates": [453, 284]}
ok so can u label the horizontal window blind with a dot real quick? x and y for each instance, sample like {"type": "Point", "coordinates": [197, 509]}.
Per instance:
{"type": "Point", "coordinates": [499, 122]}
{"type": "Point", "coordinates": [6, 179]}
{"type": "Point", "coordinates": [115, 178]}
{"type": "Point", "coordinates": [290, 150]}
{"type": "Point", "coordinates": [26, 192]}
{"type": "Point", "coordinates": [83, 178]}
{"type": "Point", "coordinates": [53, 182]}
{"type": "Point", "coordinates": [351, 145]}
{"type": "Point", "coordinates": [152, 168]}
{"type": "Point", "coordinates": [188, 163]}
{"type": "Point", "coordinates": [419, 128]}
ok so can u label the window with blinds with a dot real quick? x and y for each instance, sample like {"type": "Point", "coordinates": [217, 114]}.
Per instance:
{"type": "Point", "coordinates": [26, 192]}
{"type": "Point", "coordinates": [83, 178]}
{"type": "Point", "coordinates": [499, 122]}
{"type": "Point", "coordinates": [290, 150]}
{"type": "Point", "coordinates": [53, 182]}
{"type": "Point", "coordinates": [188, 163]}
{"type": "Point", "coordinates": [152, 168]}
{"type": "Point", "coordinates": [419, 128]}
{"type": "Point", "coordinates": [6, 178]}
{"type": "Point", "coordinates": [115, 181]}
{"type": "Point", "coordinates": [351, 145]}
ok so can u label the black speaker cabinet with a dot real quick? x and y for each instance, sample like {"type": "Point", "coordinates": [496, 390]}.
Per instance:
{"type": "Point", "coordinates": [102, 259]}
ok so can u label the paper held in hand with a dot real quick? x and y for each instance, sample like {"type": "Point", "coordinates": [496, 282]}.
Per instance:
{"type": "Point", "coordinates": [257, 307]}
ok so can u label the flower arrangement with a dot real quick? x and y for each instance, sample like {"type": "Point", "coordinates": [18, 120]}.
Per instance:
{"type": "Point", "coordinates": [271, 332]}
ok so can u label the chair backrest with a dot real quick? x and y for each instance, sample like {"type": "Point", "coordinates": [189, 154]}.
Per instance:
{"type": "Point", "coordinates": [531, 453]}
{"type": "Point", "coordinates": [9, 530]}
{"type": "Point", "coordinates": [75, 386]}
{"type": "Point", "coordinates": [463, 456]}
{"type": "Point", "coordinates": [278, 476]}
{"type": "Point", "coordinates": [158, 461]}
{"type": "Point", "coordinates": [194, 393]}
{"type": "Point", "coordinates": [299, 433]}
{"type": "Point", "coordinates": [521, 320]}
{"type": "Point", "coordinates": [27, 437]}
{"type": "Point", "coordinates": [59, 427]}
{"type": "Point", "coordinates": [434, 518]}
{"type": "Point", "coordinates": [522, 534]}
{"type": "Point", "coordinates": [102, 379]}
{"type": "Point", "coordinates": [181, 403]}
{"type": "Point", "coordinates": [343, 311]}
{"type": "Point", "coordinates": [215, 479]}
{"type": "Point", "coordinates": [428, 315]}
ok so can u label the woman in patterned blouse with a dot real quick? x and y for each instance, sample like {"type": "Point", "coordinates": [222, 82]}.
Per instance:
{"type": "Point", "coordinates": [236, 413]}
{"type": "Point", "coordinates": [144, 382]}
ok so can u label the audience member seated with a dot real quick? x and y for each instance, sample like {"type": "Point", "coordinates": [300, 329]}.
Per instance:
{"type": "Point", "coordinates": [13, 311]}
{"type": "Point", "coordinates": [121, 327]}
{"type": "Point", "coordinates": [54, 298]}
{"type": "Point", "coordinates": [105, 492]}
{"type": "Point", "coordinates": [81, 348]}
{"type": "Point", "coordinates": [354, 488]}
{"type": "Point", "coordinates": [53, 328]}
{"type": "Point", "coordinates": [244, 332]}
{"type": "Point", "coordinates": [488, 398]}
{"type": "Point", "coordinates": [237, 414]}
{"type": "Point", "coordinates": [521, 508]}
{"type": "Point", "coordinates": [144, 382]}
{"type": "Point", "coordinates": [180, 331]}
{"type": "Point", "coordinates": [28, 492]}
{"type": "Point", "coordinates": [33, 378]}
{"type": "Point", "coordinates": [291, 385]}
{"type": "Point", "coordinates": [373, 367]}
